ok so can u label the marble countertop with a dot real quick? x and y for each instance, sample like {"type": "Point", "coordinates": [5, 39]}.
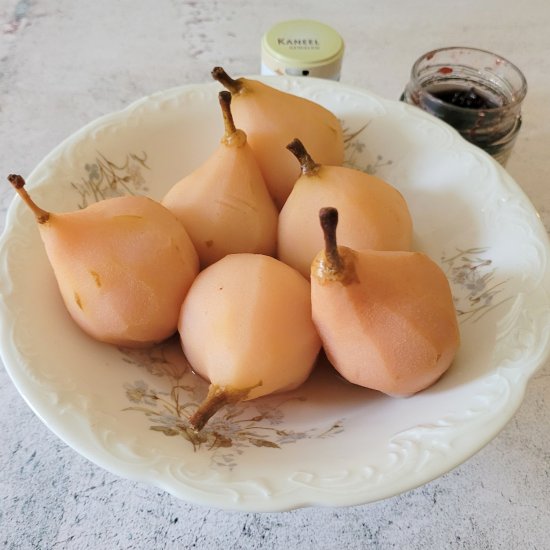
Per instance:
{"type": "Point", "coordinates": [63, 64]}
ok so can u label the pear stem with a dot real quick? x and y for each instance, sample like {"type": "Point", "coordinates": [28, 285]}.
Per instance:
{"type": "Point", "coordinates": [307, 164]}
{"type": "Point", "coordinates": [218, 397]}
{"type": "Point", "coordinates": [234, 86]}
{"type": "Point", "coordinates": [329, 221]}
{"type": "Point", "coordinates": [225, 103]}
{"type": "Point", "coordinates": [42, 216]}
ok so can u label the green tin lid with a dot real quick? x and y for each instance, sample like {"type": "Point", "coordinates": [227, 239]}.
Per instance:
{"type": "Point", "coordinates": [302, 43]}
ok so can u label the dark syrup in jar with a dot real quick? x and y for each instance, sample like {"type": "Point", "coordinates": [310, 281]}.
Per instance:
{"type": "Point", "coordinates": [471, 109]}
{"type": "Point", "coordinates": [467, 97]}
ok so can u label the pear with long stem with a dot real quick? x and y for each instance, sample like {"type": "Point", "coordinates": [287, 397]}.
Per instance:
{"type": "Point", "coordinates": [271, 118]}
{"type": "Point", "coordinates": [123, 266]}
{"type": "Point", "coordinates": [224, 204]}
{"type": "Point", "coordinates": [386, 318]}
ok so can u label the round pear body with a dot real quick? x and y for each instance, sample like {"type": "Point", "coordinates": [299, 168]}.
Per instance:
{"type": "Point", "coordinates": [374, 215]}
{"type": "Point", "coordinates": [271, 118]}
{"type": "Point", "coordinates": [246, 324]}
{"type": "Point", "coordinates": [224, 204]}
{"type": "Point", "coordinates": [123, 266]}
{"type": "Point", "coordinates": [390, 324]}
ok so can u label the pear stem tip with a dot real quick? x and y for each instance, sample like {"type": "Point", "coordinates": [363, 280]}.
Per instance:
{"type": "Point", "coordinates": [328, 217]}
{"type": "Point", "coordinates": [42, 216]}
{"type": "Point", "coordinates": [307, 164]}
{"type": "Point", "coordinates": [219, 74]}
{"type": "Point", "coordinates": [16, 180]}
{"type": "Point", "coordinates": [224, 98]}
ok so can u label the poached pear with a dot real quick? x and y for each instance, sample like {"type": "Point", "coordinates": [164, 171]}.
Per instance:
{"type": "Point", "coordinates": [246, 327]}
{"type": "Point", "coordinates": [386, 318]}
{"type": "Point", "coordinates": [374, 214]}
{"type": "Point", "coordinates": [224, 204]}
{"type": "Point", "coordinates": [271, 118]}
{"type": "Point", "coordinates": [123, 266]}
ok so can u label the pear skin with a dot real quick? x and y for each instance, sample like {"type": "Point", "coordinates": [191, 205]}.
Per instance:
{"type": "Point", "coordinates": [386, 318]}
{"type": "Point", "coordinates": [123, 266]}
{"type": "Point", "coordinates": [224, 204]}
{"type": "Point", "coordinates": [374, 213]}
{"type": "Point", "coordinates": [246, 327]}
{"type": "Point", "coordinates": [272, 118]}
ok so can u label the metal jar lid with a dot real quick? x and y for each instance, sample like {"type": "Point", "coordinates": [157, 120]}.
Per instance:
{"type": "Point", "coordinates": [302, 47]}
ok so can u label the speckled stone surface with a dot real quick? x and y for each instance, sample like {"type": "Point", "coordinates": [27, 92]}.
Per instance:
{"type": "Point", "coordinates": [64, 63]}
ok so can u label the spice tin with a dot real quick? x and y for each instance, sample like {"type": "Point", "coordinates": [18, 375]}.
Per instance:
{"type": "Point", "coordinates": [302, 47]}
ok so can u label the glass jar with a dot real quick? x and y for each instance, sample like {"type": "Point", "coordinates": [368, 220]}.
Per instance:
{"type": "Point", "coordinates": [477, 92]}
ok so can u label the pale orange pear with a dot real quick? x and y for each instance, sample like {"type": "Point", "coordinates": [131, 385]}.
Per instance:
{"type": "Point", "coordinates": [386, 318]}
{"type": "Point", "coordinates": [374, 213]}
{"type": "Point", "coordinates": [246, 327]}
{"type": "Point", "coordinates": [123, 266]}
{"type": "Point", "coordinates": [271, 118]}
{"type": "Point", "coordinates": [224, 204]}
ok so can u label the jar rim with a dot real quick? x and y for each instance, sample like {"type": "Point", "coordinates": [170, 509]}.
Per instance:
{"type": "Point", "coordinates": [517, 97]}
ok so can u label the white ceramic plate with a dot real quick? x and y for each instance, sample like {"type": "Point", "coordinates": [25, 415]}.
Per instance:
{"type": "Point", "coordinates": [328, 443]}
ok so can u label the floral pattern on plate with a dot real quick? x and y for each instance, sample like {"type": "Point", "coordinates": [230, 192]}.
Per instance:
{"type": "Point", "coordinates": [355, 150]}
{"type": "Point", "coordinates": [258, 423]}
{"type": "Point", "coordinates": [105, 179]}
